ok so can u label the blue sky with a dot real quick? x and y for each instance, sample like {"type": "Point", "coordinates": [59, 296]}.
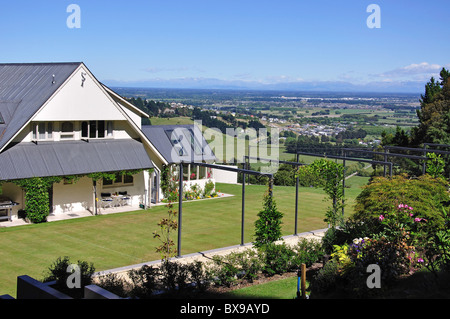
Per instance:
{"type": "Point", "coordinates": [201, 41]}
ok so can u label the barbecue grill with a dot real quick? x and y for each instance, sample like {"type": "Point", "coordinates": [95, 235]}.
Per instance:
{"type": "Point", "coordinates": [6, 204]}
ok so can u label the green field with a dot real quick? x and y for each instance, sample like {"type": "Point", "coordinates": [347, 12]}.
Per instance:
{"type": "Point", "coordinates": [122, 239]}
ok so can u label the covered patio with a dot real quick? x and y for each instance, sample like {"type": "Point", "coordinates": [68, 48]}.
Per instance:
{"type": "Point", "coordinates": [80, 166]}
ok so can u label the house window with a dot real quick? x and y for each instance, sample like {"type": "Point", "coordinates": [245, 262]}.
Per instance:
{"type": "Point", "coordinates": [67, 131]}
{"type": "Point", "coordinates": [120, 180]}
{"type": "Point", "coordinates": [96, 129]}
{"type": "Point", "coordinates": [43, 131]}
{"type": "Point", "coordinates": [109, 129]}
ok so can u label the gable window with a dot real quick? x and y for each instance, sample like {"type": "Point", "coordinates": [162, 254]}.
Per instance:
{"type": "Point", "coordinates": [67, 131]}
{"type": "Point", "coordinates": [96, 129]}
{"type": "Point", "coordinates": [42, 131]}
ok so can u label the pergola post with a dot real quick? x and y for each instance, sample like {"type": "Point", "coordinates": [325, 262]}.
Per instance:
{"type": "Point", "coordinates": [296, 198]}
{"type": "Point", "coordinates": [213, 166]}
{"type": "Point", "coordinates": [243, 209]}
{"type": "Point", "coordinates": [94, 184]}
{"type": "Point", "coordinates": [180, 209]}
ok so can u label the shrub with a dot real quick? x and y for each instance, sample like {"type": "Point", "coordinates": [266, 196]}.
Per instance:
{"type": "Point", "coordinates": [349, 230]}
{"type": "Point", "coordinates": [326, 279]}
{"type": "Point", "coordinates": [437, 248]}
{"type": "Point", "coordinates": [198, 275]}
{"type": "Point", "coordinates": [248, 263]}
{"type": "Point", "coordinates": [222, 272]}
{"type": "Point", "coordinates": [209, 187]}
{"type": "Point", "coordinates": [307, 252]}
{"type": "Point", "coordinates": [174, 276]}
{"type": "Point", "coordinates": [113, 283]}
{"type": "Point", "coordinates": [278, 258]}
{"type": "Point", "coordinates": [58, 271]}
{"type": "Point", "coordinates": [394, 258]}
{"type": "Point", "coordinates": [144, 281]}
{"type": "Point", "coordinates": [426, 194]}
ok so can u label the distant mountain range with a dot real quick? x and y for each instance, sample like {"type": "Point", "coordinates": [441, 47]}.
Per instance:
{"type": "Point", "coordinates": [332, 86]}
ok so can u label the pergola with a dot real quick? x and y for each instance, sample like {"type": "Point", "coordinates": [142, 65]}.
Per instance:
{"type": "Point", "coordinates": [226, 168]}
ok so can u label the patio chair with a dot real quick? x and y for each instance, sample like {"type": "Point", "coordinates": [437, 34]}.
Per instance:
{"type": "Point", "coordinates": [126, 199]}
{"type": "Point", "coordinates": [106, 201]}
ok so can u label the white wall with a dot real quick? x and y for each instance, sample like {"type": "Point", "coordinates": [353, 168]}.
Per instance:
{"type": "Point", "coordinates": [74, 102]}
{"type": "Point", "coordinates": [75, 197]}
{"type": "Point", "coordinates": [227, 177]}
{"type": "Point", "coordinates": [79, 196]}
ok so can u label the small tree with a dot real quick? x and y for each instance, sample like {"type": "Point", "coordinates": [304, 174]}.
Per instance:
{"type": "Point", "coordinates": [268, 226]}
{"type": "Point", "coordinates": [167, 225]}
{"type": "Point", "coordinates": [329, 176]}
{"type": "Point", "coordinates": [435, 165]}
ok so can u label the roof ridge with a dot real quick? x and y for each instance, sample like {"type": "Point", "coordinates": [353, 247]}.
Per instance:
{"type": "Point", "coordinates": [41, 63]}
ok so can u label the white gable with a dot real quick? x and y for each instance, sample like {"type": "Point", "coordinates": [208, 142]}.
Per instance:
{"type": "Point", "coordinates": [80, 98]}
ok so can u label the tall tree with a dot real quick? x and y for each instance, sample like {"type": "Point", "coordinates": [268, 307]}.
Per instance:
{"type": "Point", "coordinates": [434, 112]}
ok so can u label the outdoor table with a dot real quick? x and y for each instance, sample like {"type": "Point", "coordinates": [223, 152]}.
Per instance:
{"type": "Point", "coordinates": [117, 200]}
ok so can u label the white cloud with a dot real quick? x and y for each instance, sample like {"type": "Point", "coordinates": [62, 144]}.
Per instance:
{"type": "Point", "coordinates": [414, 71]}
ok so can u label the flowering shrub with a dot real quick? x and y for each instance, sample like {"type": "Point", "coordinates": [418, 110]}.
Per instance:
{"type": "Point", "coordinates": [392, 248]}
{"type": "Point", "coordinates": [426, 194]}
{"type": "Point", "coordinates": [401, 224]}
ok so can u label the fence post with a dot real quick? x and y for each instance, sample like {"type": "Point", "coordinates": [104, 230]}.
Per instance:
{"type": "Point", "coordinates": [303, 279]}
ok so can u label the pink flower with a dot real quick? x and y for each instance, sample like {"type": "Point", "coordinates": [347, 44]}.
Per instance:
{"type": "Point", "coordinates": [381, 217]}
{"type": "Point", "coordinates": [420, 260]}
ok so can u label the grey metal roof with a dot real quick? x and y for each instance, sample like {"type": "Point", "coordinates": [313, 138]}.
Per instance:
{"type": "Point", "coordinates": [159, 137]}
{"type": "Point", "coordinates": [24, 88]}
{"type": "Point", "coordinates": [26, 160]}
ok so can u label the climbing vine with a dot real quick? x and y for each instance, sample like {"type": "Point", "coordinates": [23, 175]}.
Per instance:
{"type": "Point", "coordinates": [37, 191]}
{"type": "Point", "coordinates": [37, 196]}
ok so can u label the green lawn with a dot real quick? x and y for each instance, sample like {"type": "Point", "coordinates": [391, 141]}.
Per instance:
{"type": "Point", "coordinates": [117, 240]}
{"type": "Point", "coordinates": [279, 289]}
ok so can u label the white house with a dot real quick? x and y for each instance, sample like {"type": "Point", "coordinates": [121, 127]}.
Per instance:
{"type": "Point", "coordinates": [57, 119]}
